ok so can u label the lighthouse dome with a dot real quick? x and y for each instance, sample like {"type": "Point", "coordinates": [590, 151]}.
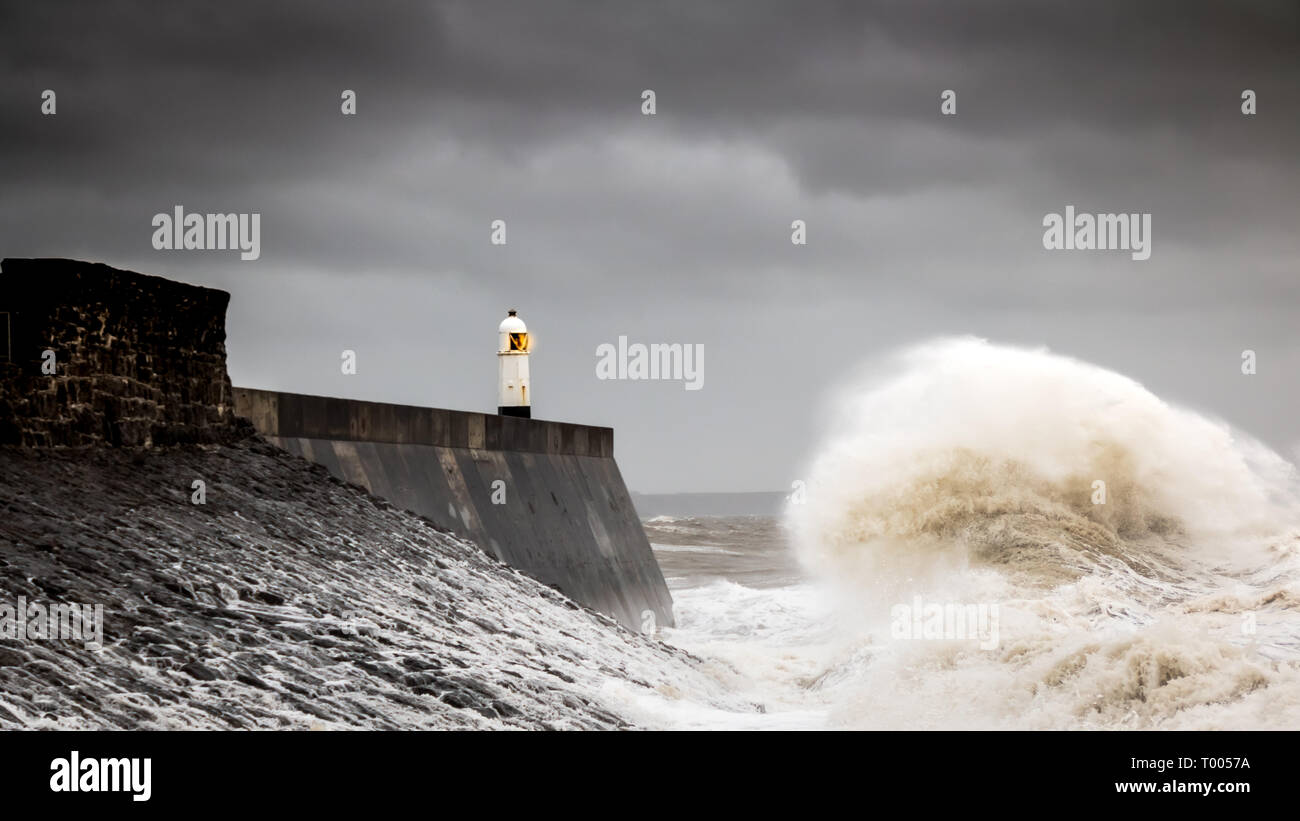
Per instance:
{"type": "Point", "coordinates": [512, 325]}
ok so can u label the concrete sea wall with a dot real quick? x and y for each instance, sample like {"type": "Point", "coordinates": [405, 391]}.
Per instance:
{"type": "Point", "coordinates": [544, 497]}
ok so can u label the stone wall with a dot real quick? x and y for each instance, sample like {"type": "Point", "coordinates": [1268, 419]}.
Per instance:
{"type": "Point", "coordinates": [139, 360]}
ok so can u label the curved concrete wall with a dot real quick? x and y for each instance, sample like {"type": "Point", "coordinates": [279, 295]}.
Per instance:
{"type": "Point", "coordinates": [562, 515]}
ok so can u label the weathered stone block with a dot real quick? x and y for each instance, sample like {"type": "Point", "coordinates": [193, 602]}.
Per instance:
{"type": "Point", "coordinates": [141, 360]}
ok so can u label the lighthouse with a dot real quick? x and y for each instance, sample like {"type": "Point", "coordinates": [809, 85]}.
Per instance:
{"type": "Point", "coordinates": [513, 391]}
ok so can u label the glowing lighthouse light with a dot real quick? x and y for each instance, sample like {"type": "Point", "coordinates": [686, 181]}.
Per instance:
{"type": "Point", "coordinates": [513, 391]}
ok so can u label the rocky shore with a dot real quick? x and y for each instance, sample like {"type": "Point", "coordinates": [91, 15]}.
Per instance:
{"type": "Point", "coordinates": [287, 599]}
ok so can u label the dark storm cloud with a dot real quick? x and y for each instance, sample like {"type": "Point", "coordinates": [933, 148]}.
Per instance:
{"type": "Point", "coordinates": [375, 226]}
{"type": "Point", "coordinates": [735, 69]}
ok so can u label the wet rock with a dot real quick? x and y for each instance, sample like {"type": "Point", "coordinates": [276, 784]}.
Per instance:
{"type": "Point", "coordinates": [344, 613]}
{"type": "Point", "coordinates": [200, 671]}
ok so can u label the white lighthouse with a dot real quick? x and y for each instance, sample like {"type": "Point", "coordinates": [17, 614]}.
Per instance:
{"type": "Point", "coordinates": [513, 391]}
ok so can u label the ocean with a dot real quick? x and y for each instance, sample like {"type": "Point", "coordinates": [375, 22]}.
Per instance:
{"type": "Point", "coordinates": [997, 538]}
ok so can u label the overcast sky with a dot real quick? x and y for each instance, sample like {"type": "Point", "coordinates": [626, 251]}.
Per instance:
{"type": "Point", "coordinates": [676, 227]}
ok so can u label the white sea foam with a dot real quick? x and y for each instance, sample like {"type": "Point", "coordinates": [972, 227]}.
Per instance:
{"type": "Point", "coordinates": [963, 472]}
